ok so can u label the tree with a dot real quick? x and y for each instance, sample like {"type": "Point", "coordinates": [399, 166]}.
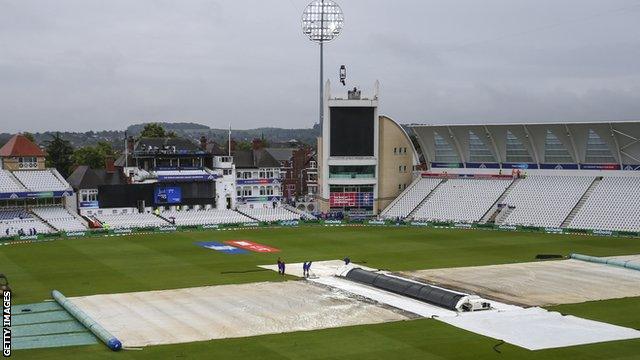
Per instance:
{"type": "Point", "coordinates": [59, 154]}
{"type": "Point", "coordinates": [93, 156]}
{"type": "Point", "coordinates": [153, 130]}
{"type": "Point", "coordinates": [106, 148]}
{"type": "Point", "coordinates": [244, 145]}
{"type": "Point", "coordinates": [29, 136]}
{"type": "Point", "coordinates": [88, 155]}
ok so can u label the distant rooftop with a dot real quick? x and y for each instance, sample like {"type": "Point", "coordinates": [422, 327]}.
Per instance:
{"type": "Point", "coordinates": [19, 145]}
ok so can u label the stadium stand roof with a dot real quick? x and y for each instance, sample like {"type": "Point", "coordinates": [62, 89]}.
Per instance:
{"type": "Point", "coordinates": [585, 145]}
{"type": "Point", "coordinates": [180, 144]}
{"type": "Point", "coordinates": [19, 145]}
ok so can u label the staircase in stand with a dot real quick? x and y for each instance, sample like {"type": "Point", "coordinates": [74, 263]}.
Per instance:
{"type": "Point", "coordinates": [581, 202]}
{"type": "Point", "coordinates": [15, 178]}
{"type": "Point", "coordinates": [33, 214]}
{"type": "Point", "coordinates": [249, 216]}
{"type": "Point", "coordinates": [412, 213]}
{"type": "Point", "coordinates": [494, 211]}
{"type": "Point", "coordinates": [163, 218]}
{"type": "Point", "coordinates": [403, 194]}
{"type": "Point", "coordinates": [502, 215]}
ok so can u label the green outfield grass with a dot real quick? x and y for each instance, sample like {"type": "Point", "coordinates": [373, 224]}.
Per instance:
{"type": "Point", "coordinates": [86, 266]}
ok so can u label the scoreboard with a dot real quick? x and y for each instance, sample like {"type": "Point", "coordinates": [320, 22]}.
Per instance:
{"type": "Point", "coordinates": [351, 199]}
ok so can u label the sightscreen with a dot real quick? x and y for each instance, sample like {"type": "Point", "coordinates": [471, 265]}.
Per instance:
{"type": "Point", "coordinates": [179, 193]}
{"type": "Point", "coordinates": [168, 195]}
{"type": "Point", "coordinates": [351, 131]}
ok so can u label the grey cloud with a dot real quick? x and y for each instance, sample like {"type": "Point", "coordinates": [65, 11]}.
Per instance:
{"type": "Point", "coordinates": [91, 64]}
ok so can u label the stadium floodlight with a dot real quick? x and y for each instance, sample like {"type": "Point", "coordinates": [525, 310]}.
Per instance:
{"type": "Point", "coordinates": [322, 21]}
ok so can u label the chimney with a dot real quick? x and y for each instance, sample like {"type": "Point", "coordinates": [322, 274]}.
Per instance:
{"type": "Point", "coordinates": [109, 165]}
{"type": "Point", "coordinates": [203, 143]}
{"type": "Point", "coordinates": [256, 144]}
{"type": "Point", "coordinates": [130, 144]}
{"type": "Point", "coordinates": [233, 144]}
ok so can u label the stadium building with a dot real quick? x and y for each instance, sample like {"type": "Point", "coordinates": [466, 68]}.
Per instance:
{"type": "Point", "coordinates": [33, 198]}
{"type": "Point", "coordinates": [580, 176]}
{"type": "Point", "coordinates": [258, 177]}
{"type": "Point", "coordinates": [162, 182]}
{"type": "Point", "coordinates": [365, 160]}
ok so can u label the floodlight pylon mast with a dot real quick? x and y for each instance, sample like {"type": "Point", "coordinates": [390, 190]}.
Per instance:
{"type": "Point", "coordinates": [322, 21]}
{"type": "Point", "coordinates": [321, 64]}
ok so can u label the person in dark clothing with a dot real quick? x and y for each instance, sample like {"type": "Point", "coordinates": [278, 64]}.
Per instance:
{"type": "Point", "coordinates": [347, 260]}
{"type": "Point", "coordinates": [279, 266]}
{"type": "Point", "coordinates": [305, 269]}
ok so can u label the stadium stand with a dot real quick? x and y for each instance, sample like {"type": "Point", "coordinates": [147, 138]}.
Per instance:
{"type": "Point", "coordinates": [12, 220]}
{"type": "Point", "coordinates": [269, 214]}
{"type": "Point", "coordinates": [8, 183]}
{"type": "Point", "coordinates": [130, 220]}
{"type": "Point", "coordinates": [614, 204]}
{"type": "Point", "coordinates": [463, 200]}
{"type": "Point", "coordinates": [13, 213]}
{"type": "Point", "coordinates": [544, 200]}
{"type": "Point", "coordinates": [204, 217]}
{"type": "Point", "coordinates": [59, 218]}
{"type": "Point", "coordinates": [410, 198]}
{"type": "Point", "coordinates": [40, 180]}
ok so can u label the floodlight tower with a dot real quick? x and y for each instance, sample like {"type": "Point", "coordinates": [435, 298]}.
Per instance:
{"type": "Point", "coordinates": [322, 21]}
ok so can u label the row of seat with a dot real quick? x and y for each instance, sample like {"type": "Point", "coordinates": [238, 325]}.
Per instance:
{"type": "Point", "coordinates": [131, 220]}
{"type": "Point", "coordinates": [461, 200]}
{"type": "Point", "coordinates": [204, 217]}
{"type": "Point", "coordinates": [544, 201]}
{"type": "Point", "coordinates": [40, 180]}
{"type": "Point", "coordinates": [8, 184]}
{"type": "Point", "coordinates": [59, 218]}
{"type": "Point", "coordinates": [614, 204]}
{"type": "Point", "coordinates": [270, 214]}
{"type": "Point", "coordinates": [411, 198]}
{"type": "Point", "coordinates": [13, 214]}
{"type": "Point", "coordinates": [13, 227]}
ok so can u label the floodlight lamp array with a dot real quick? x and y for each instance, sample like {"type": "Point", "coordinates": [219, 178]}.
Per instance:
{"type": "Point", "coordinates": [322, 20]}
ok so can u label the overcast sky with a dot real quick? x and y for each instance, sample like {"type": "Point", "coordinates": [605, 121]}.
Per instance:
{"type": "Point", "coordinates": [95, 64]}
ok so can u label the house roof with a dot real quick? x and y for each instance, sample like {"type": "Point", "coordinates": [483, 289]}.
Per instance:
{"type": "Point", "coordinates": [215, 149]}
{"type": "Point", "coordinates": [83, 177]}
{"type": "Point", "coordinates": [19, 145]}
{"type": "Point", "coordinates": [281, 154]}
{"type": "Point", "coordinates": [254, 159]}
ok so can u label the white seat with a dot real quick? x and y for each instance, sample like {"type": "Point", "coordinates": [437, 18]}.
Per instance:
{"type": "Point", "coordinates": [130, 220]}
{"type": "Point", "coordinates": [8, 184]}
{"type": "Point", "coordinates": [544, 201]}
{"type": "Point", "coordinates": [614, 205]}
{"type": "Point", "coordinates": [410, 198]}
{"type": "Point", "coordinates": [270, 214]}
{"type": "Point", "coordinates": [40, 180]}
{"type": "Point", "coordinates": [461, 200]}
{"type": "Point", "coordinates": [205, 217]}
{"type": "Point", "coordinates": [59, 218]}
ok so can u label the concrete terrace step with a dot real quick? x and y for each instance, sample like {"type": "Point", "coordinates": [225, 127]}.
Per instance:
{"type": "Point", "coordinates": [412, 213]}
{"type": "Point", "coordinates": [576, 209]}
